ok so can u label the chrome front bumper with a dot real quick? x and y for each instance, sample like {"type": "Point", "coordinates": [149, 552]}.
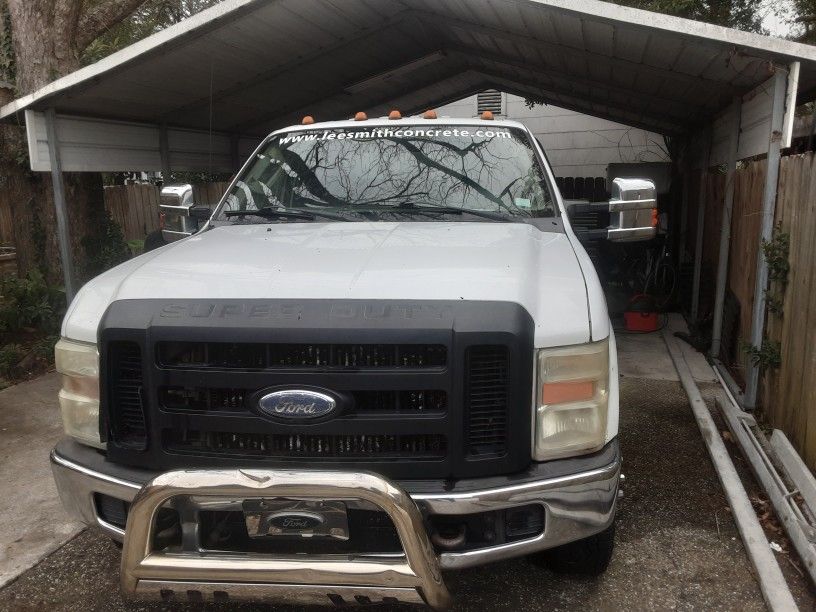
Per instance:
{"type": "Point", "coordinates": [577, 505]}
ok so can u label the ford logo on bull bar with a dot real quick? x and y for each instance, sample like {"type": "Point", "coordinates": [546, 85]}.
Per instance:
{"type": "Point", "coordinates": [297, 404]}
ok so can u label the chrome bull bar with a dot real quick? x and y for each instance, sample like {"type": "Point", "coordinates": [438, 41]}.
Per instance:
{"type": "Point", "coordinates": [414, 577]}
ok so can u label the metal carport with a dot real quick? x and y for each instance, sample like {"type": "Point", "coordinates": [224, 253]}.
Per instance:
{"type": "Point", "coordinates": [200, 95]}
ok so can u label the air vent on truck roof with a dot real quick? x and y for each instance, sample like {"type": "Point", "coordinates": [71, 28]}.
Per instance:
{"type": "Point", "coordinates": [489, 100]}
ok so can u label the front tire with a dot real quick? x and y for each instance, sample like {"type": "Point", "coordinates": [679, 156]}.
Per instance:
{"type": "Point", "coordinates": [587, 557]}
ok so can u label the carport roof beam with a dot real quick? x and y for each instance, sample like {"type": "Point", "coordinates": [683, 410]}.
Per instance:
{"type": "Point", "coordinates": [553, 74]}
{"type": "Point", "coordinates": [251, 43]}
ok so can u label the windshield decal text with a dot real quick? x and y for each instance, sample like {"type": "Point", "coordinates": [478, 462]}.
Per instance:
{"type": "Point", "coordinates": [385, 132]}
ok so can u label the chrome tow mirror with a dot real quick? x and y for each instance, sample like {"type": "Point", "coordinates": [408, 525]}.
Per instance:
{"type": "Point", "coordinates": [629, 216]}
{"type": "Point", "coordinates": [632, 210]}
{"type": "Point", "coordinates": [180, 216]}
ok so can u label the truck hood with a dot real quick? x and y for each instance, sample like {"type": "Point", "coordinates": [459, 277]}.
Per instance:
{"type": "Point", "coordinates": [511, 262]}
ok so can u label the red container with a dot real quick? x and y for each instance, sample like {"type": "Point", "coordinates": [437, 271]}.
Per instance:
{"type": "Point", "coordinates": [640, 321]}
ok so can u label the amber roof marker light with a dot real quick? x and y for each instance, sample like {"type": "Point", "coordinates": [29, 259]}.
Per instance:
{"type": "Point", "coordinates": [429, 114]}
{"type": "Point", "coordinates": [394, 114]}
{"type": "Point", "coordinates": [307, 120]}
{"type": "Point", "coordinates": [361, 116]}
{"type": "Point", "coordinates": [487, 116]}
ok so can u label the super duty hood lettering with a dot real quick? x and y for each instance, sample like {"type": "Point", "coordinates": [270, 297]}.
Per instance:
{"type": "Point", "coordinates": [348, 310]}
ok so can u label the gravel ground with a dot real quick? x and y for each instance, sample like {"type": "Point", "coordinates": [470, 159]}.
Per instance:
{"type": "Point", "coordinates": [677, 547]}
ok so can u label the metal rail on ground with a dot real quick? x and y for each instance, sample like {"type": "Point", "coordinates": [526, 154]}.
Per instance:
{"type": "Point", "coordinates": [771, 581]}
{"type": "Point", "coordinates": [798, 527]}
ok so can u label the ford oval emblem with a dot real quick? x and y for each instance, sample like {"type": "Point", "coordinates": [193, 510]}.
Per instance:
{"type": "Point", "coordinates": [297, 404]}
{"type": "Point", "coordinates": [296, 521]}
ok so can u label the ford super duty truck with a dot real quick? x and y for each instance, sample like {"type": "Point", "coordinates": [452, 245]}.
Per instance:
{"type": "Point", "coordinates": [383, 356]}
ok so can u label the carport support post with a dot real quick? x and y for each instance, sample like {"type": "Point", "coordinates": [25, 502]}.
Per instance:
{"type": "Point", "coordinates": [63, 235]}
{"type": "Point", "coordinates": [164, 153]}
{"type": "Point", "coordinates": [766, 230]}
{"type": "Point", "coordinates": [725, 229]}
{"type": "Point", "coordinates": [698, 240]}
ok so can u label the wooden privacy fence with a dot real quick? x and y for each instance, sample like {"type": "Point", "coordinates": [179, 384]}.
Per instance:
{"type": "Point", "coordinates": [135, 207]}
{"type": "Point", "coordinates": [209, 194]}
{"type": "Point", "coordinates": [789, 393]}
{"type": "Point", "coordinates": [746, 221]}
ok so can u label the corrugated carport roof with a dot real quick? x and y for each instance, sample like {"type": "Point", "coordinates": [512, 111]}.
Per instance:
{"type": "Point", "coordinates": [248, 66]}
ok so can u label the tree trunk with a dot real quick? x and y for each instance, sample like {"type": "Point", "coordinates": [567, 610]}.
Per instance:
{"type": "Point", "coordinates": [43, 31]}
{"type": "Point", "coordinates": [28, 196]}
{"type": "Point", "coordinates": [42, 35]}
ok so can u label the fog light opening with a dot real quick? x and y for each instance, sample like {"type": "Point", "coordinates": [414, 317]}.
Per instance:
{"type": "Point", "coordinates": [449, 536]}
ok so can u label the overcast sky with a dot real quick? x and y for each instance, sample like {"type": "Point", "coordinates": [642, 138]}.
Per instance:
{"type": "Point", "coordinates": [774, 20]}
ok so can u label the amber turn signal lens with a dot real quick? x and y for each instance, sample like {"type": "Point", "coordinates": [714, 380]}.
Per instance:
{"type": "Point", "coordinates": [567, 391]}
{"type": "Point", "coordinates": [654, 217]}
{"type": "Point", "coordinates": [394, 114]}
{"type": "Point", "coordinates": [308, 120]}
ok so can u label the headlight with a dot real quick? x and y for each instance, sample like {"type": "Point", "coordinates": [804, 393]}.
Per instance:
{"type": "Point", "coordinates": [79, 396]}
{"type": "Point", "coordinates": [572, 396]}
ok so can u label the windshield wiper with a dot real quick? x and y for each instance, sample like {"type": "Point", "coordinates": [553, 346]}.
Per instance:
{"type": "Point", "coordinates": [271, 212]}
{"type": "Point", "coordinates": [451, 210]}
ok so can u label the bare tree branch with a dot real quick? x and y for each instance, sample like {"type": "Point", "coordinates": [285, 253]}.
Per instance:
{"type": "Point", "coordinates": [466, 180]}
{"type": "Point", "coordinates": [97, 19]}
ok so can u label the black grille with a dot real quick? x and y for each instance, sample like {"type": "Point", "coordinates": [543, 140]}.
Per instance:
{"type": "Point", "coordinates": [257, 356]}
{"type": "Point", "coordinates": [126, 395]}
{"type": "Point", "coordinates": [303, 445]}
{"type": "Point", "coordinates": [423, 390]}
{"type": "Point", "coordinates": [111, 510]}
{"type": "Point", "coordinates": [523, 522]}
{"type": "Point", "coordinates": [197, 399]}
{"type": "Point", "coordinates": [384, 402]}
{"type": "Point", "coordinates": [589, 220]}
{"type": "Point", "coordinates": [486, 397]}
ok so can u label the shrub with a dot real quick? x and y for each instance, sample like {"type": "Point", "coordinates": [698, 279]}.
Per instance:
{"type": "Point", "coordinates": [136, 247]}
{"type": "Point", "coordinates": [29, 302]}
{"type": "Point", "coordinates": [10, 356]}
{"type": "Point", "coordinates": [43, 349]}
{"type": "Point", "coordinates": [105, 246]}
{"type": "Point", "coordinates": [766, 357]}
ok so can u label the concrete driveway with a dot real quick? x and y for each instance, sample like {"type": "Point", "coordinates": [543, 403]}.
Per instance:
{"type": "Point", "coordinates": [677, 547]}
{"type": "Point", "coordinates": [34, 523]}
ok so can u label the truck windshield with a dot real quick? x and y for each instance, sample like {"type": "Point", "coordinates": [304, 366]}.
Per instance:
{"type": "Point", "coordinates": [415, 171]}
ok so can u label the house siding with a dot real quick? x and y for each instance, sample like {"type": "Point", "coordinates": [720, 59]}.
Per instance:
{"type": "Point", "coordinates": [577, 145]}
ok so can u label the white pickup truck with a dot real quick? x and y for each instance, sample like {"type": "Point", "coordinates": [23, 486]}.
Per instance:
{"type": "Point", "coordinates": [384, 356]}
